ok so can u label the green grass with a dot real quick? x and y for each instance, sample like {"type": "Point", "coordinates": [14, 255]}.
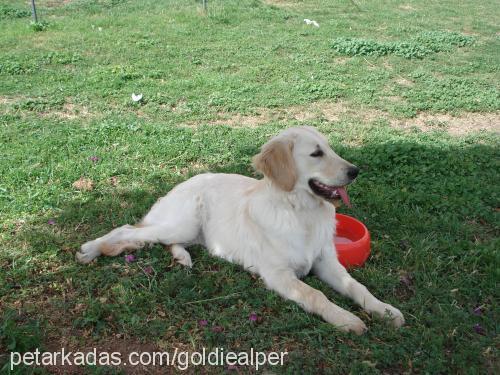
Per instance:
{"type": "Point", "coordinates": [429, 198]}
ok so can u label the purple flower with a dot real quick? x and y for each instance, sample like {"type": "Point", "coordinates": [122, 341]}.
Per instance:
{"type": "Point", "coordinates": [148, 270]}
{"type": "Point", "coordinates": [479, 330]}
{"type": "Point", "coordinates": [232, 367]}
{"type": "Point", "coordinates": [478, 310]}
{"type": "Point", "coordinates": [217, 329]}
{"type": "Point", "coordinates": [94, 159]}
{"type": "Point", "coordinates": [51, 222]}
{"type": "Point", "coordinates": [129, 258]}
{"type": "Point", "coordinates": [253, 317]}
{"type": "Point", "coordinates": [203, 323]}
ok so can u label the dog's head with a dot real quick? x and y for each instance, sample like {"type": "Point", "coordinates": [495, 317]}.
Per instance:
{"type": "Point", "coordinates": [301, 158]}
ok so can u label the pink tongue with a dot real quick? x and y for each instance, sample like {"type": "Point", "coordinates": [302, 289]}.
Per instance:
{"type": "Point", "coordinates": [344, 196]}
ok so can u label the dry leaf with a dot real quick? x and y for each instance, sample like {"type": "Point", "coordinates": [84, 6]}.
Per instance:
{"type": "Point", "coordinates": [78, 307]}
{"type": "Point", "coordinates": [113, 180]}
{"type": "Point", "coordinates": [85, 184]}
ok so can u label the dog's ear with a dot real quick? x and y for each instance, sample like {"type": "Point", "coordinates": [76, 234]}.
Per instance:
{"type": "Point", "coordinates": [276, 162]}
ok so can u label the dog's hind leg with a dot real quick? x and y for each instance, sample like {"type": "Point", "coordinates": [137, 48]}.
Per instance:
{"type": "Point", "coordinates": [126, 237]}
{"type": "Point", "coordinates": [174, 219]}
{"type": "Point", "coordinates": [129, 237]}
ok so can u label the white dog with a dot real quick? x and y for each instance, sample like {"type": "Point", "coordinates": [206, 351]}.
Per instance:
{"type": "Point", "coordinates": [280, 227]}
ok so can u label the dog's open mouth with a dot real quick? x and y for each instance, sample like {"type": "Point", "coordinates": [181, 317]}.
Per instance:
{"type": "Point", "coordinates": [329, 192]}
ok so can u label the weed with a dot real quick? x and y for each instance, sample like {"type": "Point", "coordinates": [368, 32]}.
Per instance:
{"type": "Point", "coordinates": [39, 25]}
{"type": "Point", "coordinates": [7, 11]}
{"type": "Point", "coordinates": [423, 45]}
{"type": "Point", "coordinates": [18, 335]}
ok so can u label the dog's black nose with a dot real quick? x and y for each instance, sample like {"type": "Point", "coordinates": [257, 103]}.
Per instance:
{"type": "Point", "coordinates": [352, 172]}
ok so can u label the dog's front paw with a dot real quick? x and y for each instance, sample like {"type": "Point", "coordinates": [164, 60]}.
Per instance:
{"type": "Point", "coordinates": [394, 315]}
{"type": "Point", "coordinates": [352, 323]}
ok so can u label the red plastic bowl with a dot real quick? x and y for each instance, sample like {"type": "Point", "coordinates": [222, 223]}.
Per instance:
{"type": "Point", "coordinates": [352, 241]}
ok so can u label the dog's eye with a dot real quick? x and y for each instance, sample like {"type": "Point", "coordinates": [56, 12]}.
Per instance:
{"type": "Point", "coordinates": [317, 153]}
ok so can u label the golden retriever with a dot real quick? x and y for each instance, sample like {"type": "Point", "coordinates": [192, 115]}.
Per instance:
{"type": "Point", "coordinates": [280, 227]}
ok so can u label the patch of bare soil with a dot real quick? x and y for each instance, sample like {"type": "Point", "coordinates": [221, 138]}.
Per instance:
{"type": "Point", "coordinates": [395, 98]}
{"type": "Point", "coordinates": [9, 100]}
{"type": "Point", "coordinates": [330, 111]}
{"type": "Point", "coordinates": [454, 125]}
{"type": "Point", "coordinates": [403, 82]}
{"type": "Point", "coordinates": [238, 120]}
{"type": "Point", "coordinates": [84, 340]}
{"type": "Point", "coordinates": [341, 60]}
{"type": "Point", "coordinates": [55, 3]}
{"type": "Point", "coordinates": [335, 111]}
{"type": "Point", "coordinates": [69, 111]}
{"type": "Point", "coordinates": [282, 3]}
{"type": "Point", "coordinates": [194, 168]}
{"type": "Point", "coordinates": [407, 7]}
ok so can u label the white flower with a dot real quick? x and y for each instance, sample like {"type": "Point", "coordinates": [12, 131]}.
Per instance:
{"type": "Point", "coordinates": [311, 22]}
{"type": "Point", "coordinates": [136, 98]}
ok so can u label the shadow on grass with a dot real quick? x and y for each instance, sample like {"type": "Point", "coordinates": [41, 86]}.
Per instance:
{"type": "Point", "coordinates": [433, 213]}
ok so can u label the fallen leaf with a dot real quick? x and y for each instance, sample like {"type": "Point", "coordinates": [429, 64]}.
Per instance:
{"type": "Point", "coordinates": [78, 307]}
{"type": "Point", "coordinates": [84, 184]}
{"type": "Point", "coordinates": [113, 180]}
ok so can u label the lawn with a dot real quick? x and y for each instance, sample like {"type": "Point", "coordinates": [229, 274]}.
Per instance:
{"type": "Point", "coordinates": [408, 91]}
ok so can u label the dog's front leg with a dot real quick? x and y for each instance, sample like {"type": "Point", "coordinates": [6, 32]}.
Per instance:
{"type": "Point", "coordinates": [289, 286]}
{"type": "Point", "coordinates": [329, 269]}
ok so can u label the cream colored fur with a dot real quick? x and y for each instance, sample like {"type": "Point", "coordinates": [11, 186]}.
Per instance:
{"type": "Point", "coordinates": [276, 227]}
